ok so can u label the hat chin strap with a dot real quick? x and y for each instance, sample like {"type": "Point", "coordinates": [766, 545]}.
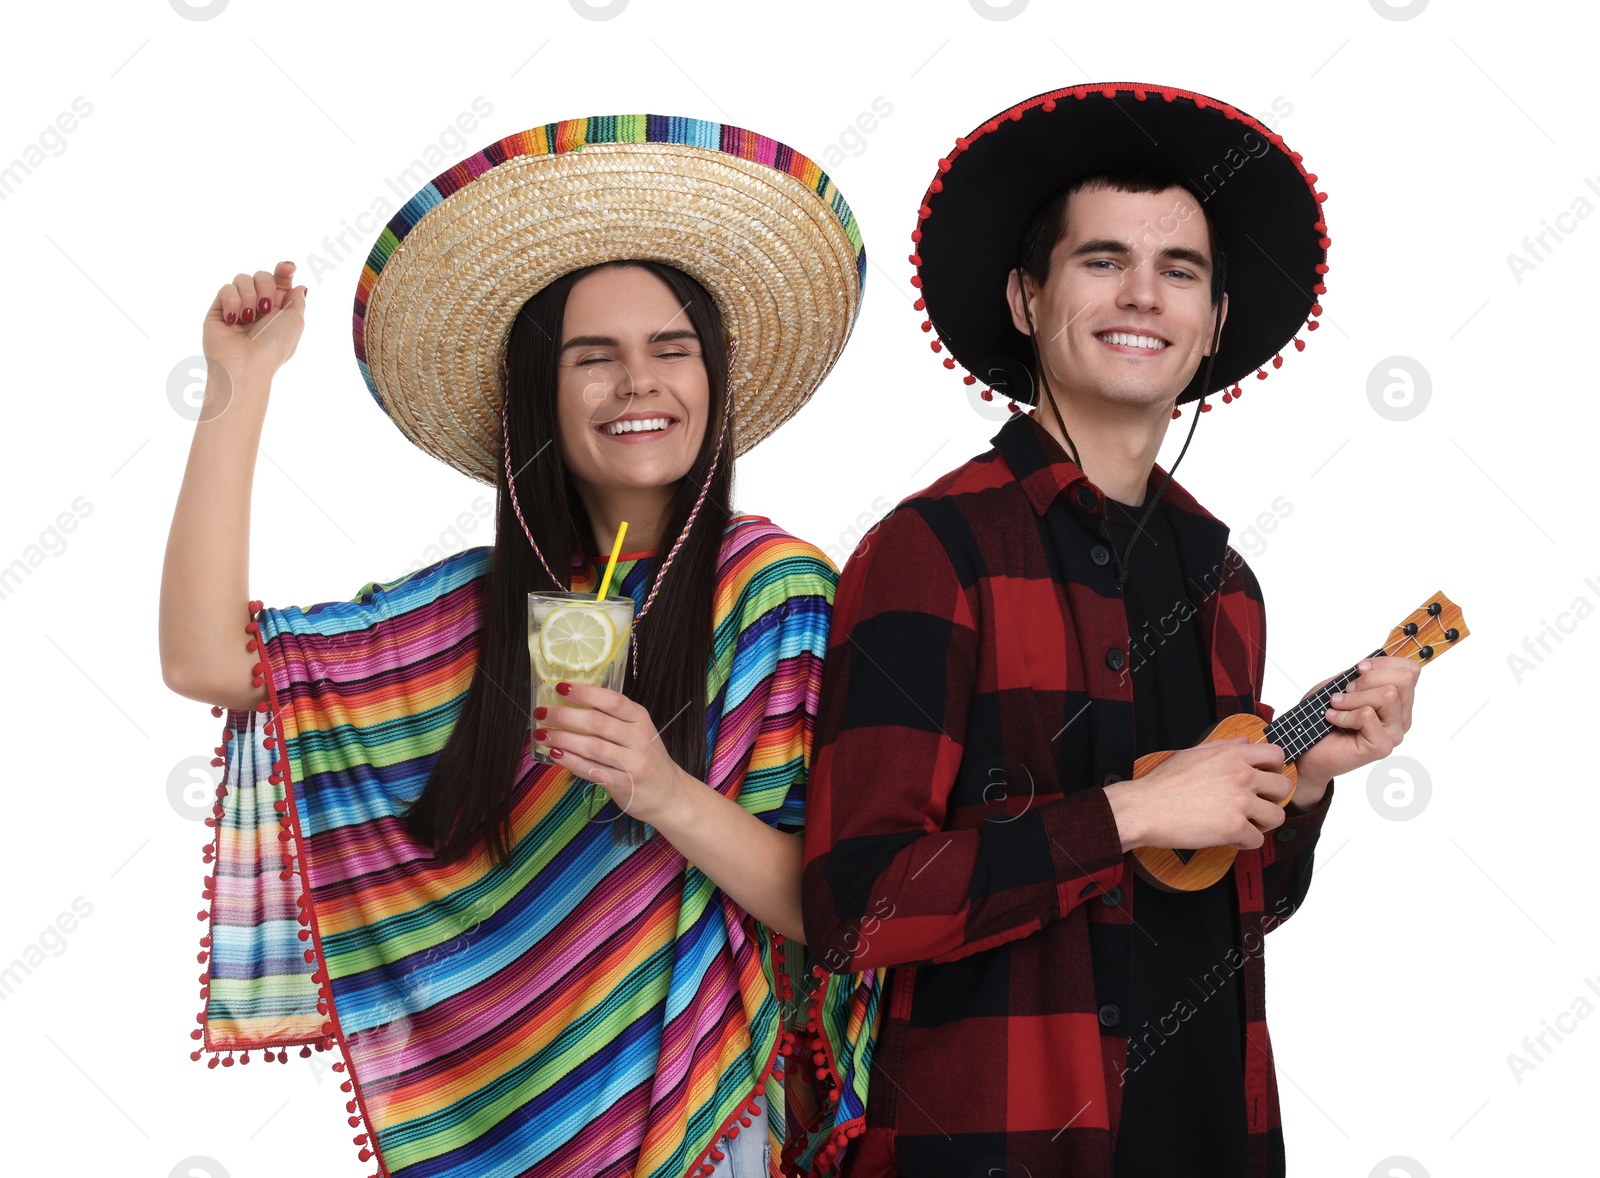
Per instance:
{"type": "Point", "coordinates": [1205, 384]}
{"type": "Point", "coordinates": [705, 487]}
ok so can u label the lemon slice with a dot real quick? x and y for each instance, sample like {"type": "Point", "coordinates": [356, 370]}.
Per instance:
{"type": "Point", "coordinates": [575, 638]}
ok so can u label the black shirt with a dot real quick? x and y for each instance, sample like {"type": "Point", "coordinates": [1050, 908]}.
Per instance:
{"type": "Point", "coordinates": [1183, 1111]}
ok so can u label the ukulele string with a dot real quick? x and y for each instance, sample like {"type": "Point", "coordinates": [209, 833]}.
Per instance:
{"type": "Point", "coordinates": [1435, 619]}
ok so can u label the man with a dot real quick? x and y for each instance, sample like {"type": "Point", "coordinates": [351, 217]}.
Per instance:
{"type": "Point", "coordinates": [1014, 636]}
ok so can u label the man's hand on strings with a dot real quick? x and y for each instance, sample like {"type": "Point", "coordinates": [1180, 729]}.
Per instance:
{"type": "Point", "coordinates": [1369, 718]}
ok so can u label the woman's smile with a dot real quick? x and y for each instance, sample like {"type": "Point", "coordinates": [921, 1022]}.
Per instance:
{"type": "Point", "coordinates": [637, 428]}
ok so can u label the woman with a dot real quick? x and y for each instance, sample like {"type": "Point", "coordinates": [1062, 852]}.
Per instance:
{"type": "Point", "coordinates": [520, 979]}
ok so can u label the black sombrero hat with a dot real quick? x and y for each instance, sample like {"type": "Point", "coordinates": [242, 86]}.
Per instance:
{"type": "Point", "coordinates": [1266, 207]}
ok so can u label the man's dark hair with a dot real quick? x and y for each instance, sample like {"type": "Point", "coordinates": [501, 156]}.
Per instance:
{"type": "Point", "coordinates": [1049, 225]}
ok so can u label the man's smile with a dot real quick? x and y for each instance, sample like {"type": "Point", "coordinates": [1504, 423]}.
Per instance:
{"type": "Point", "coordinates": [1132, 343]}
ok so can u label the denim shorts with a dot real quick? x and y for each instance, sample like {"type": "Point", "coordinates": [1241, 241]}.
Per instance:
{"type": "Point", "coordinates": [749, 1155]}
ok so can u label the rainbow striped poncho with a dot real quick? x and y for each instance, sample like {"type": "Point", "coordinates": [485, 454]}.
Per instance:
{"type": "Point", "coordinates": [591, 1008]}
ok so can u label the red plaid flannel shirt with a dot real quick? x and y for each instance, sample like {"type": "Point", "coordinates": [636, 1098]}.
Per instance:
{"type": "Point", "coordinates": [976, 697]}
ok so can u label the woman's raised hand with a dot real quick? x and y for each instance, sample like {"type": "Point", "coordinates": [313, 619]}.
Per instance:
{"type": "Point", "coordinates": [205, 579]}
{"type": "Point", "coordinates": [254, 323]}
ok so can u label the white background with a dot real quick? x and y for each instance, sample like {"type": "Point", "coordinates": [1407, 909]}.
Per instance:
{"type": "Point", "coordinates": [1429, 946]}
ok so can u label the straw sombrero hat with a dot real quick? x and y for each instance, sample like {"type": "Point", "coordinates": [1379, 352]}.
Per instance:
{"type": "Point", "coordinates": [759, 225]}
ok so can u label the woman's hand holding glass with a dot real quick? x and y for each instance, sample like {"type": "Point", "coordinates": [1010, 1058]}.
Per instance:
{"type": "Point", "coordinates": [610, 740]}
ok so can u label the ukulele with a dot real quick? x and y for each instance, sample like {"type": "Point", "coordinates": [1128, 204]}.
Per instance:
{"type": "Point", "coordinates": [1424, 635]}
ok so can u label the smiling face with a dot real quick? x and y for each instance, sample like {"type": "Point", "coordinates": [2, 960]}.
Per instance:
{"type": "Point", "coordinates": [632, 394]}
{"type": "Point", "coordinates": [1125, 314]}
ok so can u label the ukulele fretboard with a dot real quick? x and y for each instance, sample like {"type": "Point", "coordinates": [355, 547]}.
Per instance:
{"type": "Point", "coordinates": [1306, 723]}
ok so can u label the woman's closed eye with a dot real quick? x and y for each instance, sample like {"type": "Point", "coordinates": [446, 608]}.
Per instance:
{"type": "Point", "coordinates": [592, 361]}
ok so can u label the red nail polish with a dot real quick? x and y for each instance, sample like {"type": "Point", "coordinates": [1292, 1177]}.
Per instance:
{"type": "Point", "coordinates": [563, 689]}
{"type": "Point", "coordinates": [233, 317]}
{"type": "Point", "coordinates": [541, 736]}
{"type": "Point", "coordinates": [264, 306]}
{"type": "Point", "coordinates": [540, 713]}
{"type": "Point", "coordinates": [555, 753]}
{"type": "Point", "coordinates": [248, 315]}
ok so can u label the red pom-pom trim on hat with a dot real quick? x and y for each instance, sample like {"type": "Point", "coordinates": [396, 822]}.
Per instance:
{"type": "Point", "coordinates": [1048, 103]}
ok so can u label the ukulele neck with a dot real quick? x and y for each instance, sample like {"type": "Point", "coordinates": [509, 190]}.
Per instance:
{"type": "Point", "coordinates": [1306, 723]}
{"type": "Point", "coordinates": [1425, 634]}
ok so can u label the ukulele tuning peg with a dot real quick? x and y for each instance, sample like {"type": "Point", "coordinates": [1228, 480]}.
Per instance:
{"type": "Point", "coordinates": [1452, 634]}
{"type": "Point", "coordinates": [1434, 609]}
{"type": "Point", "coordinates": [1425, 653]}
{"type": "Point", "coordinates": [1410, 629]}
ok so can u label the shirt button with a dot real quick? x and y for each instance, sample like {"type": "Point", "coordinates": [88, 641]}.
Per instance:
{"type": "Point", "coordinates": [1110, 1016]}
{"type": "Point", "coordinates": [1114, 659]}
{"type": "Point", "coordinates": [1086, 497]}
{"type": "Point", "coordinates": [1285, 834]}
{"type": "Point", "coordinates": [1111, 778]}
{"type": "Point", "coordinates": [1112, 898]}
{"type": "Point", "coordinates": [1100, 554]}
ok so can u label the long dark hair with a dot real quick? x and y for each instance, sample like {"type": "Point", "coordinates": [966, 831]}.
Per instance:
{"type": "Point", "coordinates": [469, 794]}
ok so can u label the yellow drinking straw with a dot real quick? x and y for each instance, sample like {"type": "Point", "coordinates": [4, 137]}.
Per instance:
{"type": "Point", "coordinates": [616, 547]}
